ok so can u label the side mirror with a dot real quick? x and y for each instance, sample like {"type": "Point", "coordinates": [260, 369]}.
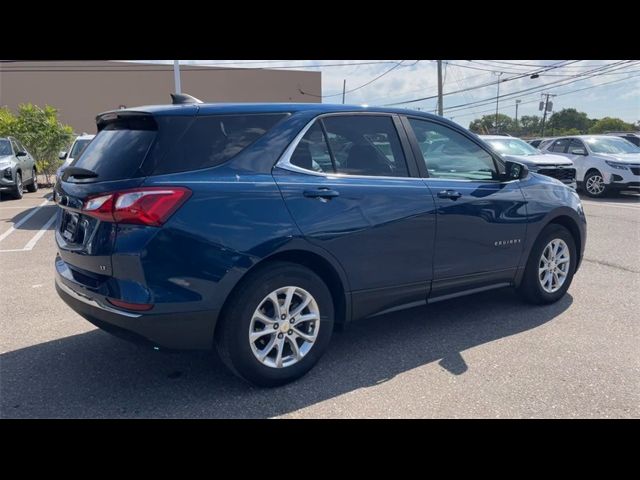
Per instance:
{"type": "Point", "coordinates": [514, 171]}
{"type": "Point", "coordinates": [578, 151]}
{"type": "Point", "coordinates": [21, 154]}
{"type": "Point", "coordinates": [62, 155]}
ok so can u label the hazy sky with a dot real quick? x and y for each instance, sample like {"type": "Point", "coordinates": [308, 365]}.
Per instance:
{"type": "Point", "coordinates": [606, 88]}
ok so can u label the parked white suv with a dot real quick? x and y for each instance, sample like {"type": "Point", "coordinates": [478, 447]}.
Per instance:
{"type": "Point", "coordinates": [555, 166]}
{"type": "Point", "coordinates": [604, 164]}
{"type": "Point", "coordinates": [77, 147]}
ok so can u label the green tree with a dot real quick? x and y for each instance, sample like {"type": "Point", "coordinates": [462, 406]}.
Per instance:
{"type": "Point", "coordinates": [610, 124]}
{"type": "Point", "coordinates": [570, 118]}
{"type": "Point", "coordinates": [529, 125]}
{"type": "Point", "coordinates": [40, 131]}
{"type": "Point", "coordinates": [7, 122]}
{"type": "Point", "coordinates": [486, 124]}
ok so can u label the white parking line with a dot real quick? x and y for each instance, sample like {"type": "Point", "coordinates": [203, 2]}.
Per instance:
{"type": "Point", "coordinates": [23, 220]}
{"type": "Point", "coordinates": [41, 232]}
{"type": "Point", "coordinates": [628, 206]}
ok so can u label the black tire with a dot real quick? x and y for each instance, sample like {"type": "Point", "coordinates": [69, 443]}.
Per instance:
{"type": "Point", "coordinates": [231, 338]}
{"type": "Point", "coordinates": [592, 193]}
{"type": "Point", "coordinates": [18, 190]}
{"type": "Point", "coordinates": [531, 288]}
{"type": "Point", "coordinates": [33, 186]}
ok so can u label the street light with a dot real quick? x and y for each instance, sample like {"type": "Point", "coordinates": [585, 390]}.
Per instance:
{"type": "Point", "coordinates": [176, 76]}
{"type": "Point", "coordinates": [517, 103]}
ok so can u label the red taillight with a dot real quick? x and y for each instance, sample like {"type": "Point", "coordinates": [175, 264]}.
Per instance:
{"type": "Point", "coordinates": [138, 307]}
{"type": "Point", "coordinates": [143, 206]}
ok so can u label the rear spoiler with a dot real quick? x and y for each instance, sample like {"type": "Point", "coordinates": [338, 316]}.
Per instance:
{"type": "Point", "coordinates": [145, 119]}
{"type": "Point", "coordinates": [113, 116]}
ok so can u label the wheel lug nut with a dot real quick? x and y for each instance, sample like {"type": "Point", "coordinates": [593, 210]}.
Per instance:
{"type": "Point", "coordinates": [289, 332]}
{"type": "Point", "coordinates": [283, 316]}
{"type": "Point", "coordinates": [293, 320]}
{"type": "Point", "coordinates": [280, 335]}
{"type": "Point", "coordinates": [276, 326]}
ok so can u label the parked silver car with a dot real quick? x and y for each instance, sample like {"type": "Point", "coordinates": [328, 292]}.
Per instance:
{"type": "Point", "coordinates": [554, 166]}
{"type": "Point", "coordinates": [604, 164]}
{"type": "Point", "coordinates": [17, 168]}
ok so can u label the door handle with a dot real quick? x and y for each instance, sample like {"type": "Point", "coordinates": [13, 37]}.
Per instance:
{"type": "Point", "coordinates": [321, 193]}
{"type": "Point", "coordinates": [451, 194]}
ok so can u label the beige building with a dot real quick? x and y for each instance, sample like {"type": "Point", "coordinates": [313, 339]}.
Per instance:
{"type": "Point", "coordinates": [82, 89]}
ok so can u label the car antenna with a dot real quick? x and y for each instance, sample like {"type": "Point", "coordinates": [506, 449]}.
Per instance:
{"type": "Point", "coordinates": [183, 98]}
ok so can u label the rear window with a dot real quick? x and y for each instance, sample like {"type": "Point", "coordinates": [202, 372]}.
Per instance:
{"type": "Point", "coordinates": [138, 146]}
{"type": "Point", "coordinates": [212, 140]}
{"type": "Point", "coordinates": [119, 149]}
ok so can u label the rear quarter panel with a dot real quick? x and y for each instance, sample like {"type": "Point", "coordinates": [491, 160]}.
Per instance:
{"type": "Point", "coordinates": [231, 221]}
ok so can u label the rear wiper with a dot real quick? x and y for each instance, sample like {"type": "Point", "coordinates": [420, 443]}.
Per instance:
{"type": "Point", "coordinates": [77, 172]}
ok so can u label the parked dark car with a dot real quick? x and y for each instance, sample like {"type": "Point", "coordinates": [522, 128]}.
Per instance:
{"type": "Point", "coordinates": [257, 228]}
{"type": "Point", "coordinates": [17, 168]}
{"type": "Point", "coordinates": [633, 137]}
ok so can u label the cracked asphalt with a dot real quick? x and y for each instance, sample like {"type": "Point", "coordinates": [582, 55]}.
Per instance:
{"type": "Point", "coordinates": [487, 355]}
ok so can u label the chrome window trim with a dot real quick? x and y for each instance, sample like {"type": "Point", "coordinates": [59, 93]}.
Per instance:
{"type": "Point", "coordinates": [284, 161]}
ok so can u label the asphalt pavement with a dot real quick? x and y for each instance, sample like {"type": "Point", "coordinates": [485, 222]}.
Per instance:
{"type": "Point", "coordinates": [487, 355]}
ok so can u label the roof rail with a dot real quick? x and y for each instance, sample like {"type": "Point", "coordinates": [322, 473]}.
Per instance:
{"type": "Point", "coordinates": [183, 98]}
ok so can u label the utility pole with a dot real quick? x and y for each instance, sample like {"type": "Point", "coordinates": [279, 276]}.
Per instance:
{"type": "Point", "coordinates": [440, 87]}
{"type": "Point", "coordinates": [344, 88]}
{"type": "Point", "coordinates": [546, 107]}
{"type": "Point", "coordinates": [176, 75]}
{"type": "Point", "coordinates": [497, 102]}
{"type": "Point", "coordinates": [517, 103]}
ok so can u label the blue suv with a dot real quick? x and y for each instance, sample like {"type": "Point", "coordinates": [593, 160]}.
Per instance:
{"type": "Point", "coordinates": [256, 229]}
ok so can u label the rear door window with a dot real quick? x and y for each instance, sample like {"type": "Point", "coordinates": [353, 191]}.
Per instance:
{"type": "Point", "coordinates": [365, 145]}
{"type": "Point", "coordinates": [312, 153]}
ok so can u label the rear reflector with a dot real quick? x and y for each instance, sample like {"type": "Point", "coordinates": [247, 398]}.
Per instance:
{"type": "Point", "coordinates": [137, 307]}
{"type": "Point", "coordinates": [142, 206]}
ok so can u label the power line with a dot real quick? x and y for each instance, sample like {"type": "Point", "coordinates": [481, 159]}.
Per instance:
{"type": "Point", "coordinates": [535, 100]}
{"type": "Point", "coordinates": [361, 86]}
{"type": "Point", "coordinates": [509, 63]}
{"type": "Point", "coordinates": [459, 91]}
{"type": "Point", "coordinates": [590, 74]}
{"type": "Point", "coordinates": [372, 101]}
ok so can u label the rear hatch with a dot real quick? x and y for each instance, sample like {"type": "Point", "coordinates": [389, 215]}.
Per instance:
{"type": "Point", "coordinates": [118, 159]}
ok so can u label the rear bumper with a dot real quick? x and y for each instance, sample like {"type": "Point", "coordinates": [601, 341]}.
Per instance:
{"type": "Point", "coordinates": [188, 331]}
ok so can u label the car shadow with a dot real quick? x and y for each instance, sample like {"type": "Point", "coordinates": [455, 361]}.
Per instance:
{"type": "Point", "coordinates": [96, 375]}
{"type": "Point", "coordinates": [40, 218]}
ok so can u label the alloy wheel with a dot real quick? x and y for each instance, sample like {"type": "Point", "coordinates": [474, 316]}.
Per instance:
{"type": "Point", "coordinates": [553, 266]}
{"type": "Point", "coordinates": [284, 327]}
{"type": "Point", "coordinates": [595, 184]}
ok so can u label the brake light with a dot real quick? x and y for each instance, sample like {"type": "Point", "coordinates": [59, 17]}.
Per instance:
{"type": "Point", "coordinates": [142, 206]}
